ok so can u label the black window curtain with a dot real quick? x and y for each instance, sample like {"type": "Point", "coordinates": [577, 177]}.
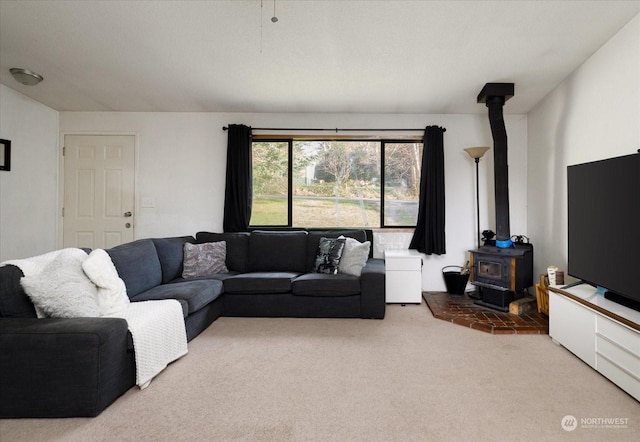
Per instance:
{"type": "Point", "coordinates": [238, 193]}
{"type": "Point", "coordinates": [429, 236]}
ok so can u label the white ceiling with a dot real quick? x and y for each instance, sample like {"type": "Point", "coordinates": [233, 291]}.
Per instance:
{"type": "Point", "coordinates": [321, 56]}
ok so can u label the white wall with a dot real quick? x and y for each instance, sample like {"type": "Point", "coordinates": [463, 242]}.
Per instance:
{"type": "Point", "coordinates": [594, 114]}
{"type": "Point", "coordinates": [28, 192]}
{"type": "Point", "coordinates": [181, 161]}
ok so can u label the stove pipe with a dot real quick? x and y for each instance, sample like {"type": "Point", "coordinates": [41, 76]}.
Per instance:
{"type": "Point", "coordinates": [494, 95]}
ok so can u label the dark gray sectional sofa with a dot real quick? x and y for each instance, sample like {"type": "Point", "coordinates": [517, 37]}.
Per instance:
{"type": "Point", "coordinates": [79, 366]}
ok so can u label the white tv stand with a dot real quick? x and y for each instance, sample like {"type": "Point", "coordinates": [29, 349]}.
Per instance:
{"type": "Point", "coordinates": [602, 333]}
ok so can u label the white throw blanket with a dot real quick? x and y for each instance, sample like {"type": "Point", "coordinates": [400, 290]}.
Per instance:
{"type": "Point", "coordinates": [159, 336]}
{"type": "Point", "coordinates": [112, 291]}
{"type": "Point", "coordinates": [35, 264]}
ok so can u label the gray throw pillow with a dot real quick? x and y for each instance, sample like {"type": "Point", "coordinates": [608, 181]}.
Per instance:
{"type": "Point", "coordinates": [329, 254]}
{"type": "Point", "coordinates": [354, 256]}
{"type": "Point", "coordinates": [61, 289]}
{"type": "Point", "coordinates": [204, 259]}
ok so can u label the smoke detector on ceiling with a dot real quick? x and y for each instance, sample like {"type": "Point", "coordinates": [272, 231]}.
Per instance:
{"type": "Point", "coordinates": [25, 76]}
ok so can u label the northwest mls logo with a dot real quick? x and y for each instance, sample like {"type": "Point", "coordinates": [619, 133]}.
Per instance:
{"type": "Point", "coordinates": [569, 423]}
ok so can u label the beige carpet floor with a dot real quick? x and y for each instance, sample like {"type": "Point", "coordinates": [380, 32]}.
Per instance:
{"type": "Point", "coordinates": [409, 377]}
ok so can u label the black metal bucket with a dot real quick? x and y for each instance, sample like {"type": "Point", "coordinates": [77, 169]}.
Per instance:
{"type": "Point", "coordinates": [455, 281]}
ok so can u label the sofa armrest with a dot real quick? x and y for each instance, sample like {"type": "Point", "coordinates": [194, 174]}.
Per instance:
{"type": "Point", "coordinates": [63, 367]}
{"type": "Point", "coordinates": [372, 289]}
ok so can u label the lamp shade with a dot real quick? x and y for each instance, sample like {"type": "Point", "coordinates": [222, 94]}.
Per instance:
{"type": "Point", "coordinates": [476, 152]}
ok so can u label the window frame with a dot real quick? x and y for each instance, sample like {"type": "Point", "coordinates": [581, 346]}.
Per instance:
{"type": "Point", "coordinates": [291, 139]}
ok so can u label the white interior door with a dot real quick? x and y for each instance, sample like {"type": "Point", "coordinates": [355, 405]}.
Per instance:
{"type": "Point", "coordinates": [98, 190]}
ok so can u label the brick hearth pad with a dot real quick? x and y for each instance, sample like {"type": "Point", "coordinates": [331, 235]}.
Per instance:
{"type": "Point", "coordinates": [461, 310]}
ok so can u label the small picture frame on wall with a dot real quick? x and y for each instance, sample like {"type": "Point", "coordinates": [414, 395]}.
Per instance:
{"type": "Point", "coordinates": [5, 154]}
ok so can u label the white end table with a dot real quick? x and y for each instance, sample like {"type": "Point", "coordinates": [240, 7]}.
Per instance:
{"type": "Point", "coordinates": [403, 276]}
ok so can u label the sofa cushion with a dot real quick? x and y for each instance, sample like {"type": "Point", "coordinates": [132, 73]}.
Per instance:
{"type": "Point", "coordinates": [354, 256]}
{"type": "Point", "coordinates": [204, 259]}
{"type": "Point", "coordinates": [170, 253]}
{"type": "Point", "coordinates": [313, 240]}
{"type": "Point", "coordinates": [260, 282]}
{"type": "Point", "coordinates": [138, 265]}
{"type": "Point", "coordinates": [196, 294]}
{"type": "Point", "coordinates": [14, 302]}
{"type": "Point", "coordinates": [237, 248]}
{"type": "Point", "coordinates": [277, 251]}
{"type": "Point", "coordinates": [322, 284]}
{"type": "Point", "coordinates": [215, 276]}
{"type": "Point", "coordinates": [328, 255]}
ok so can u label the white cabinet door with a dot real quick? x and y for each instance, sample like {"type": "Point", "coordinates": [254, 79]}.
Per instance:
{"type": "Point", "coordinates": [618, 354]}
{"type": "Point", "coordinates": [573, 326]}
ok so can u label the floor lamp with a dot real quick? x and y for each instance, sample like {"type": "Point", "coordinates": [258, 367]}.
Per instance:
{"type": "Point", "coordinates": [476, 153]}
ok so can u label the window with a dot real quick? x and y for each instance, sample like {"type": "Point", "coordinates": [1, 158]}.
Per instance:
{"type": "Point", "coordinates": [270, 183]}
{"type": "Point", "coordinates": [329, 183]}
{"type": "Point", "coordinates": [402, 163]}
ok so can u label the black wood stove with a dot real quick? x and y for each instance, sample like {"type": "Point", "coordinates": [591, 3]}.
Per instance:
{"type": "Point", "coordinates": [502, 274]}
{"type": "Point", "coordinates": [502, 270]}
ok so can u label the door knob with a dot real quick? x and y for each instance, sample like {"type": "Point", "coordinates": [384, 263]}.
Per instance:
{"type": "Point", "coordinates": [127, 214]}
{"type": "Point", "coordinates": [128, 225]}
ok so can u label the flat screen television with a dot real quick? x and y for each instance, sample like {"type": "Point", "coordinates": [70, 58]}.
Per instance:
{"type": "Point", "coordinates": [604, 226]}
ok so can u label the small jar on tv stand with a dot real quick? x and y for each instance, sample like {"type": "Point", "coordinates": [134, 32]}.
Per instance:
{"type": "Point", "coordinates": [555, 276]}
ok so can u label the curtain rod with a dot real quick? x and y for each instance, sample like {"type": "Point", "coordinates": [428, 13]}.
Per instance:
{"type": "Point", "coordinates": [336, 129]}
